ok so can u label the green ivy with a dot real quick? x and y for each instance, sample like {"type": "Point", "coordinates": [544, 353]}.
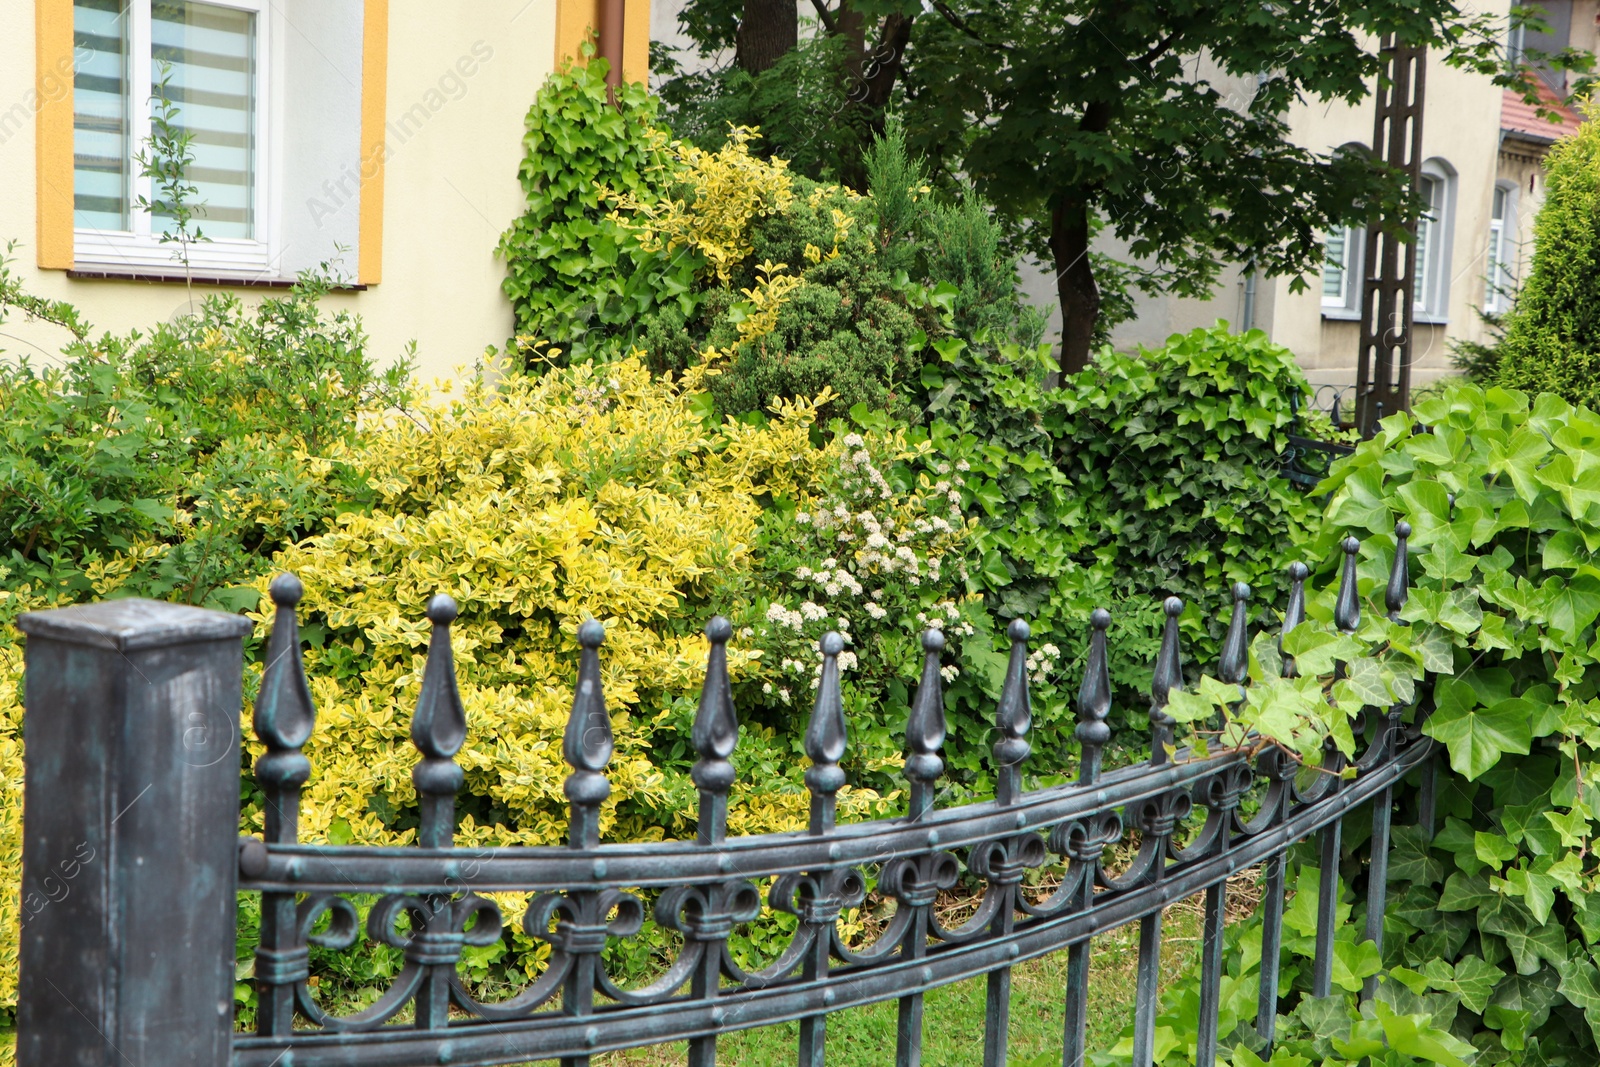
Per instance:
{"type": "Point", "coordinates": [570, 269]}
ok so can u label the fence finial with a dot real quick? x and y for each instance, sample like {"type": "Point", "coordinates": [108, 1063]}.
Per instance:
{"type": "Point", "coordinates": [284, 716]}
{"type": "Point", "coordinates": [1167, 676]}
{"type": "Point", "coordinates": [1094, 700]}
{"type": "Point", "coordinates": [925, 727]}
{"type": "Point", "coordinates": [1234, 663]}
{"type": "Point", "coordinates": [1347, 609]}
{"type": "Point", "coordinates": [1013, 717]}
{"type": "Point", "coordinates": [1295, 613]}
{"type": "Point", "coordinates": [587, 743]}
{"type": "Point", "coordinates": [1394, 597]}
{"type": "Point", "coordinates": [825, 737]}
{"type": "Point", "coordinates": [438, 728]}
{"type": "Point", "coordinates": [716, 731]}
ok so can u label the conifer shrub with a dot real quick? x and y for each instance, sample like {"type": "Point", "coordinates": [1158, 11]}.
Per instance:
{"type": "Point", "coordinates": [1552, 333]}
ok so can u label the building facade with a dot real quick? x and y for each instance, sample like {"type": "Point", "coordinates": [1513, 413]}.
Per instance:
{"type": "Point", "coordinates": [1482, 177]}
{"type": "Point", "coordinates": [380, 136]}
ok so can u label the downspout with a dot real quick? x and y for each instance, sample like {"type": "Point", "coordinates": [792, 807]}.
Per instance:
{"type": "Point", "coordinates": [610, 43]}
{"type": "Point", "coordinates": [1248, 314]}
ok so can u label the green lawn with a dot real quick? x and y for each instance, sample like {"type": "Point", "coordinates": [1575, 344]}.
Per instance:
{"type": "Point", "coordinates": [953, 1033]}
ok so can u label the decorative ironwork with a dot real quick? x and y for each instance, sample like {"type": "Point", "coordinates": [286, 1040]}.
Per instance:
{"type": "Point", "coordinates": [584, 895]}
{"type": "Point", "coordinates": [1389, 286]}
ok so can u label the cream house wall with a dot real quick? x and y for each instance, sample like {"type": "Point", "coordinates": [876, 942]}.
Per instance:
{"type": "Point", "coordinates": [448, 185]}
{"type": "Point", "coordinates": [1461, 127]}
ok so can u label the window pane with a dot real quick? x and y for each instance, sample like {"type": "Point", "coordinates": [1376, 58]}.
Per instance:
{"type": "Point", "coordinates": [1334, 266]}
{"type": "Point", "coordinates": [100, 115]}
{"type": "Point", "coordinates": [1425, 231]}
{"type": "Point", "coordinates": [211, 53]}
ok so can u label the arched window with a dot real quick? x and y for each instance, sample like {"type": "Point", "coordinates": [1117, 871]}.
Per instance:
{"type": "Point", "coordinates": [1500, 261]}
{"type": "Point", "coordinates": [1435, 235]}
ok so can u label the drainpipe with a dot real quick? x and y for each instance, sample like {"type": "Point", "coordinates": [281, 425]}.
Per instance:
{"type": "Point", "coordinates": [1248, 314]}
{"type": "Point", "coordinates": [610, 43]}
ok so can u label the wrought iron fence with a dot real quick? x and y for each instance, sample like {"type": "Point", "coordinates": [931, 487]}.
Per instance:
{"type": "Point", "coordinates": [130, 698]}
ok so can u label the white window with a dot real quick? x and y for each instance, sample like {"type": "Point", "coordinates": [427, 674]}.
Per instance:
{"type": "Point", "coordinates": [1500, 283]}
{"type": "Point", "coordinates": [1431, 291]}
{"type": "Point", "coordinates": [213, 57]}
{"type": "Point", "coordinates": [1336, 262]}
{"type": "Point", "coordinates": [1343, 249]}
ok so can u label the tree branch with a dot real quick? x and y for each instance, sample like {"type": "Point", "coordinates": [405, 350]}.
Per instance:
{"type": "Point", "coordinates": [826, 16]}
{"type": "Point", "coordinates": [959, 23]}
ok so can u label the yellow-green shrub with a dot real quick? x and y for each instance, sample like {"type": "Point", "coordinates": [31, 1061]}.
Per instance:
{"type": "Point", "coordinates": [537, 503]}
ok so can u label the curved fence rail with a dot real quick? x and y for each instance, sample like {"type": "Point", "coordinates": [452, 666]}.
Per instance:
{"type": "Point", "coordinates": [1189, 814]}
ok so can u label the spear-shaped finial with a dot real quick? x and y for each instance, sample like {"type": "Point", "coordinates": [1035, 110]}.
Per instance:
{"type": "Point", "coordinates": [284, 716]}
{"type": "Point", "coordinates": [437, 729]}
{"type": "Point", "coordinates": [1094, 701]}
{"type": "Point", "coordinates": [587, 743]}
{"type": "Point", "coordinates": [716, 731]}
{"type": "Point", "coordinates": [1234, 663]}
{"type": "Point", "coordinates": [925, 728]}
{"type": "Point", "coordinates": [1013, 718]}
{"type": "Point", "coordinates": [1394, 597]}
{"type": "Point", "coordinates": [1347, 608]}
{"type": "Point", "coordinates": [825, 738]}
{"type": "Point", "coordinates": [1295, 613]}
{"type": "Point", "coordinates": [1167, 676]}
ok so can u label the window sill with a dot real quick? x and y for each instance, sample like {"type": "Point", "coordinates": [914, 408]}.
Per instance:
{"type": "Point", "coordinates": [1418, 318]}
{"type": "Point", "coordinates": [211, 278]}
{"type": "Point", "coordinates": [1341, 314]}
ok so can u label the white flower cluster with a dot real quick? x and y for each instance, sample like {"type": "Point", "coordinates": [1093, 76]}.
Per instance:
{"type": "Point", "coordinates": [945, 612]}
{"type": "Point", "coordinates": [785, 617]}
{"type": "Point", "coordinates": [1041, 661]}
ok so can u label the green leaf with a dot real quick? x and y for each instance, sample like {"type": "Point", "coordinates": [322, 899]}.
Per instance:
{"type": "Point", "coordinates": [1493, 849]}
{"type": "Point", "coordinates": [1471, 979]}
{"type": "Point", "coordinates": [1528, 940]}
{"type": "Point", "coordinates": [1353, 963]}
{"type": "Point", "coordinates": [1476, 737]}
{"type": "Point", "coordinates": [1416, 1036]}
{"type": "Point", "coordinates": [1465, 892]}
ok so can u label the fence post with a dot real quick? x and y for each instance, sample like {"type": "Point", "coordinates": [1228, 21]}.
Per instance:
{"type": "Point", "coordinates": [130, 835]}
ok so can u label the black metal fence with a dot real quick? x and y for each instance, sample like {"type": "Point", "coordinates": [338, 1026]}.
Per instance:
{"type": "Point", "coordinates": [133, 760]}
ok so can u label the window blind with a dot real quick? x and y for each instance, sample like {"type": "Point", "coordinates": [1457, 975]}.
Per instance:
{"type": "Point", "coordinates": [100, 133]}
{"type": "Point", "coordinates": [210, 52]}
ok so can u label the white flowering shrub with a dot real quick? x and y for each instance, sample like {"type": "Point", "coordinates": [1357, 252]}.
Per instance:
{"type": "Point", "coordinates": [883, 553]}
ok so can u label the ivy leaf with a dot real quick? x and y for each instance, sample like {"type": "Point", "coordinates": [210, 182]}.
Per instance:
{"type": "Point", "coordinates": [1528, 940]}
{"type": "Point", "coordinates": [1573, 826]}
{"type": "Point", "coordinates": [1571, 604]}
{"type": "Point", "coordinates": [1465, 892]}
{"type": "Point", "coordinates": [1580, 984]}
{"type": "Point", "coordinates": [1535, 994]}
{"type": "Point", "coordinates": [1475, 736]}
{"type": "Point", "coordinates": [1415, 1036]}
{"type": "Point", "coordinates": [1471, 979]}
{"type": "Point", "coordinates": [1493, 849]}
{"type": "Point", "coordinates": [1353, 963]}
{"type": "Point", "coordinates": [1411, 859]}
{"type": "Point", "coordinates": [1513, 1026]}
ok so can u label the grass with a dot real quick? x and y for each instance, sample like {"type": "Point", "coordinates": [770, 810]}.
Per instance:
{"type": "Point", "coordinates": [954, 1017]}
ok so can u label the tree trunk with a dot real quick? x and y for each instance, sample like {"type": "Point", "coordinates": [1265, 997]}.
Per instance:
{"type": "Point", "coordinates": [768, 29]}
{"type": "Point", "coordinates": [1075, 285]}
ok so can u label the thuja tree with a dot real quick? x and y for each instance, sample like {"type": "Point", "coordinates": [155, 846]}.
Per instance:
{"type": "Point", "coordinates": [1552, 336]}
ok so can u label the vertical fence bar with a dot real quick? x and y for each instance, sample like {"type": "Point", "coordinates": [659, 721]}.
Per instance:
{"type": "Point", "coordinates": [1094, 704]}
{"type": "Point", "coordinates": [1347, 617]}
{"type": "Point", "coordinates": [1281, 771]}
{"type": "Point", "coordinates": [716, 731]}
{"type": "Point", "coordinates": [130, 835]}
{"type": "Point", "coordinates": [1233, 668]}
{"type": "Point", "coordinates": [1387, 742]}
{"type": "Point", "coordinates": [1013, 718]}
{"type": "Point", "coordinates": [1155, 824]}
{"type": "Point", "coordinates": [825, 745]}
{"type": "Point", "coordinates": [586, 745]}
{"type": "Point", "coordinates": [925, 731]}
{"type": "Point", "coordinates": [284, 719]}
{"type": "Point", "coordinates": [437, 730]}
